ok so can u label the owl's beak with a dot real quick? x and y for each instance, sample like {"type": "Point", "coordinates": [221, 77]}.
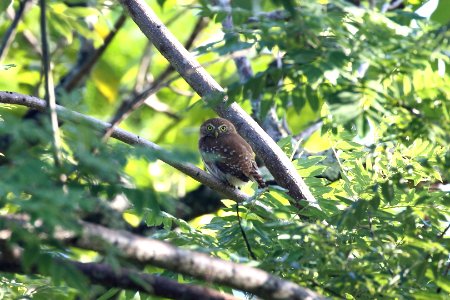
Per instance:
{"type": "Point", "coordinates": [216, 133]}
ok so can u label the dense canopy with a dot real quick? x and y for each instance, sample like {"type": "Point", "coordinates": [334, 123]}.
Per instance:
{"type": "Point", "coordinates": [102, 188]}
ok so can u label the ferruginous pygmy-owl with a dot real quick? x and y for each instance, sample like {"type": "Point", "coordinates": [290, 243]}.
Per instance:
{"type": "Point", "coordinates": [227, 156]}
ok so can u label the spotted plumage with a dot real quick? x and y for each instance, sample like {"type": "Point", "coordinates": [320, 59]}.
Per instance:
{"type": "Point", "coordinates": [227, 156]}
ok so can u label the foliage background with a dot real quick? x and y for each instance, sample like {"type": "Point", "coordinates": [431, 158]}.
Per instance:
{"type": "Point", "coordinates": [380, 230]}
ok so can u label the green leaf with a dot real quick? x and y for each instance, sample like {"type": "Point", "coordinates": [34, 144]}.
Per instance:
{"type": "Point", "coordinates": [161, 3]}
{"type": "Point", "coordinates": [312, 98]}
{"type": "Point", "coordinates": [109, 294]}
{"type": "Point", "coordinates": [7, 67]}
{"type": "Point", "coordinates": [441, 14]}
{"type": "Point", "coordinates": [4, 5]}
{"type": "Point", "coordinates": [387, 190]}
{"type": "Point", "coordinates": [298, 98]}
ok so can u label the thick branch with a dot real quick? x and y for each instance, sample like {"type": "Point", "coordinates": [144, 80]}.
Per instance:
{"type": "Point", "coordinates": [105, 275]}
{"type": "Point", "coordinates": [197, 77]}
{"type": "Point", "coordinates": [128, 138]}
{"type": "Point", "coordinates": [164, 255]}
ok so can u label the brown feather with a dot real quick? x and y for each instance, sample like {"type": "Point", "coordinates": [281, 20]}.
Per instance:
{"type": "Point", "coordinates": [226, 154]}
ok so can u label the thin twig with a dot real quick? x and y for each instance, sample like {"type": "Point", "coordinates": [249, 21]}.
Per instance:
{"type": "Point", "coordinates": [440, 236]}
{"type": "Point", "coordinates": [307, 132]}
{"type": "Point", "coordinates": [369, 219]}
{"type": "Point", "coordinates": [447, 267]}
{"type": "Point", "coordinates": [181, 92]}
{"type": "Point", "coordinates": [71, 80]}
{"type": "Point", "coordinates": [49, 87]}
{"type": "Point", "coordinates": [391, 5]}
{"type": "Point", "coordinates": [144, 66]}
{"type": "Point", "coordinates": [445, 273]}
{"type": "Point", "coordinates": [161, 107]}
{"type": "Point", "coordinates": [244, 236]}
{"type": "Point", "coordinates": [127, 107]}
{"type": "Point", "coordinates": [10, 33]}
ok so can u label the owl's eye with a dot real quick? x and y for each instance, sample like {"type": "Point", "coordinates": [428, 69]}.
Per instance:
{"type": "Point", "coordinates": [223, 128]}
{"type": "Point", "coordinates": [209, 127]}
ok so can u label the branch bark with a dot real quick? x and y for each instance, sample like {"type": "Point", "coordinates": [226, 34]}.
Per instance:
{"type": "Point", "coordinates": [128, 138]}
{"type": "Point", "coordinates": [164, 255]}
{"type": "Point", "coordinates": [50, 97]}
{"type": "Point", "coordinates": [197, 77]}
{"type": "Point", "coordinates": [105, 275]}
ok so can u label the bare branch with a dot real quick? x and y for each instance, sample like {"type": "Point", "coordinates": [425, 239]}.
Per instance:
{"type": "Point", "coordinates": [144, 65]}
{"type": "Point", "coordinates": [109, 277]}
{"type": "Point", "coordinates": [276, 161]}
{"type": "Point", "coordinates": [162, 107]}
{"type": "Point", "coordinates": [71, 80]}
{"type": "Point", "coordinates": [129, 106]}
{"type": "Point", "coordinates": [276, 15]}
{"type": "Point", "coordinates": [48, 84]}
{"type": "Point", "coordinates": [244, 235]}
{"type": "Point", "coordinates": [181, 92]}
{"type": "Point", "coordinates": [10, 33]}
{"type": "Point", "coordinates": [307, 132]}
{"type": "Point", "coordinates": [128, 138]}
{"type": "Point", "coordinates": [164, 255]}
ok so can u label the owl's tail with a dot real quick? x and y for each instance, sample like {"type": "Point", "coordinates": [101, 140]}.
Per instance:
{"type": "Point", "coordinates": [256, 177]}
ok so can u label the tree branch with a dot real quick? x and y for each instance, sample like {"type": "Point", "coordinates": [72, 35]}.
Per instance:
{"type": "Point", "coordinates": [109, 277]}
{"type": "Point", "coordinates": [129, 106]}
{"type": "Point", "coordinates": [71, 80]}
{"type": "Point", "coordinates": [48, 85]}
{"type": "Point", "coordinates": [164, 255]}
{"type": "Point", "coordinates": [128, 138]}
{"type": "Point", "coordinates": [10, 33]}
{"type": "Point", "coordinates": [197, 77]}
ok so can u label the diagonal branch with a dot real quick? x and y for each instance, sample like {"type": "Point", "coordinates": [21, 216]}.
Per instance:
{"type": "Point", "coordinates": [71, 80]}
{"type": "Point", "coordinates": [276, 161]}
{"type": "Point", "coordinates": [129, 106]}
{"type": "Point", "coordinates": [10, 33]}
{"type": "Point", "coordinates": [164, 255]}
{"type": "Point", "coordinates": [105, 275]}
{"type": "Point", "coordinates": [128, 138]}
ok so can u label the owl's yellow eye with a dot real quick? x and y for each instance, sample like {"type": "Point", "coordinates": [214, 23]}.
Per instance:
{"type": "Point", "coordinates": [223, 128]}
{"type": "Point", "coordinates": [209, 127]}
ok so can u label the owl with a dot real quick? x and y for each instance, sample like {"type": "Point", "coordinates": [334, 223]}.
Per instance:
{"type": "Point", "coordinates": [227, 156]}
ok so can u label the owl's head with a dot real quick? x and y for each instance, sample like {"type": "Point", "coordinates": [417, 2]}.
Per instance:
{"type": "Point", "coordinates": [216, 127]}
